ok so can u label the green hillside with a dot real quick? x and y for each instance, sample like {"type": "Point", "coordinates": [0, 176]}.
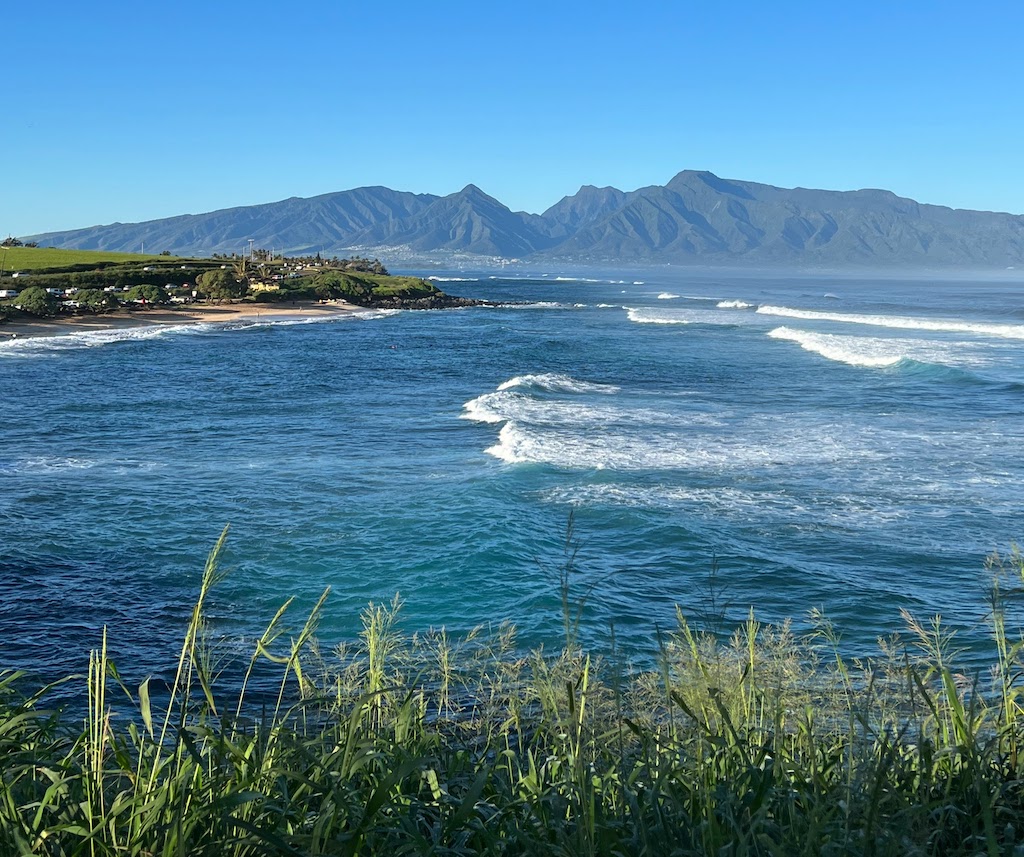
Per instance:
{"type": "Point", "coordinates": [40, 258]}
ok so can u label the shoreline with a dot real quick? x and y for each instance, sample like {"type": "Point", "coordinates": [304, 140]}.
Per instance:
{"type": "Point", "coordinates": [193, 314]}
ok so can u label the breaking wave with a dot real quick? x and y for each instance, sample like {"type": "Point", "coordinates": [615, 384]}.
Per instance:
{"type": "Point", "coordinates": [953, 362]}
{"type": "Point", "coordinates": [555, 383]}
{"type": "Point", "coordinates": [856, 351]}
{"type": "Point", "coordinates": [34, 346]}
{"type": "Point", "coordinates": [42, 346]}
{"type": "Point", "coordinates": [567, 447]}
{"type": "Point", "coordinates": [646, 316]}
{"type": "Point", "coordinates": [1009, 331]}
{"type": "Point", "coordinates": [556, 420]}
{"type": "Point", "coordinates": [709, 317]}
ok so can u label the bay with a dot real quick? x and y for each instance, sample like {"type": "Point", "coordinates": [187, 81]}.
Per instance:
{"type": "Point", "coordinates": [721, 440]}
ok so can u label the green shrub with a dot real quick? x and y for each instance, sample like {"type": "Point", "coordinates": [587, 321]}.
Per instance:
{"type": "Point", "coordinates": [36, 301]}
{"type": "Point", "coordinates": [97, 300]}
{"type": "Point", "coordinates": [149, 293]}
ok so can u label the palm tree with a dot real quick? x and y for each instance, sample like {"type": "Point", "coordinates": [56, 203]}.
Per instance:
{"type": "Point", "coordinates": [242, 271]}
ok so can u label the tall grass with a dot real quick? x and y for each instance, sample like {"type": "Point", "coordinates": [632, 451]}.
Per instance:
{"type": "Point", "coordinates": [756, 742]}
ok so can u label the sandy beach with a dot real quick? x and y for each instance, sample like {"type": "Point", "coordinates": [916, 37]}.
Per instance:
{"type": "Point", "coordinates": [191, 314]}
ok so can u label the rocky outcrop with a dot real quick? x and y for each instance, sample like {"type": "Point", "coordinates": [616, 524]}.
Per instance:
{"type": "Point", "coordinates": [436, 301]}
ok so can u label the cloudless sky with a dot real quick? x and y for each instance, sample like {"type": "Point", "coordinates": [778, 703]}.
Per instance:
{"type": "Point", "coordinates": [118, 111]}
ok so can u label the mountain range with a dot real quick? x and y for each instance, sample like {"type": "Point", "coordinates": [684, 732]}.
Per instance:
{"type": "Point", "coordinates": [696, 217]}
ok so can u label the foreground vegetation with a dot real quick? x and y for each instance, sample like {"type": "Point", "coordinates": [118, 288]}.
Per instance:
{"type": "Point", "coordinates": [761, 743]}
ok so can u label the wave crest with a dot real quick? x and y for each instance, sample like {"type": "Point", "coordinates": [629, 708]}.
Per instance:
{"type": "Point", "coordinates": [553, 382]}
{"type": "Point", "coordinates": [1008, 331]}
{"type": "Point", "coordinates": [855, 351]}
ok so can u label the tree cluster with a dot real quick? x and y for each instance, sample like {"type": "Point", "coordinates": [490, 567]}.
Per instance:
{"type": "Point", "coordinates": [36, 301]}
{"type": "Point", "coordinates": [222, 284]}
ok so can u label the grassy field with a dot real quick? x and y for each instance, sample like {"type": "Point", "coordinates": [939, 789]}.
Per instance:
{"type": "Point", "coordinates": [758, 743]}
{"type": "Point", "coordinates": [34, 258]}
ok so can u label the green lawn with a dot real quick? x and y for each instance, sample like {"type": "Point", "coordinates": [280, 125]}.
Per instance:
{"type": "Point", "coordinates": [33, 258]}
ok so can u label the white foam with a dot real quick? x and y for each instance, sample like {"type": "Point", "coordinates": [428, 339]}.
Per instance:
{"type": "Point", "coordinates": [1009, 331]}
{"type": "Point", "coordinates": [568, 415]}
{"type": "Point", "coordinates": [554, 382]}
{"type": "Point", "coordinates": [639, 283]}
{"type": "Point", "coordinates": [511, 400]}
{"type": "Point", "coordinates": [733, 305]}
{"type": "Point", "coordinates": [856, 351]}
{"type": "Point", "coordinates": [36, 345]}
{"type": "Point", "coordinates": [838, 510]}
{"type": "Point", "coordinates": [575, 280]}
{"type": "Point", "coordinates": [705, 451]}
{"type": "Point", "coordinates": [544, 422]}
{"type": "Point", "coordinates": [360, 315]}
{"type": "Point", "coordinates": [645, 316]}
{"type": "Point", "coordinates": [56, 464]}
{"type": "Point", "coordinates": [484, 409]}
{"type": "Point", "coordinates": [454, 279]}
{"type": "Point", "coordinates": [39, 346]}
{"type": "Point", "coordinates": [521, 445]}
{"type": "Point", "coordinates": [876, 352]}
{"type": "Point", "coordinates": [642, 315]}
{"type": "Point", "coordinates": [667, 296]}
{"type": "Point", "coordinates": [47, 463]}
{"type": "Point", "coordinates": [538, 305]}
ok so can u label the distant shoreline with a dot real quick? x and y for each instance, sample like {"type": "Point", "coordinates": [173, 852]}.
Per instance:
{"type": "Point", "coordinates": [193, 314]}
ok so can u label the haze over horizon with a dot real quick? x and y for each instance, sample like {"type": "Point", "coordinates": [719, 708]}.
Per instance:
{"type": "Point", "coordinates": [124, 114]}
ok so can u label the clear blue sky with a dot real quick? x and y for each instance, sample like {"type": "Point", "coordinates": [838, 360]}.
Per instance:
{"type": "Point", "coordinates": [124, 111]}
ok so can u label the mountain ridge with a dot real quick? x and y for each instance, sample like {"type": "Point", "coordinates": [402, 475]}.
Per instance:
{"type": "Point", "coordinates": [696, 217]}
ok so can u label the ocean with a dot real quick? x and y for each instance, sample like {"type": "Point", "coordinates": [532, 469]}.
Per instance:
{"type": "Point", "coordinates": [719, 442]}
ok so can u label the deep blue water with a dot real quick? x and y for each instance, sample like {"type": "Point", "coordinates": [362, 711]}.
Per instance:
{"type": "Point", "coordinates": [840, 443]}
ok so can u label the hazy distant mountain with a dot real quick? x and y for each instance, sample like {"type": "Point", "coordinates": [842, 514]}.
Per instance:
{"type": "Point", "coordinates": [469, 221]}
{"type": "Point", "coordinates": [293, 224]}
{"type": "Point", "coordinates": [696, 217]}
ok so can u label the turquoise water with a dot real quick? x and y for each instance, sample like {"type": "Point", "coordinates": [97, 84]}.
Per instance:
{"type": "Point", "coordinates": [838, 443]}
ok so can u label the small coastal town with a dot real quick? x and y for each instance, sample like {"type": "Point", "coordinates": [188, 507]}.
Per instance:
{"type": "Point", "coordinates": [41, 284]}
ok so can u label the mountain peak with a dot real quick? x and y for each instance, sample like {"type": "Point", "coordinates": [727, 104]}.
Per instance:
{"type": "Point", "coordinates": [700, 175]}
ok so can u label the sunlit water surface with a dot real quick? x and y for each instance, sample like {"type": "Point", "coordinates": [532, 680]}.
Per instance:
{"type": "Point", "coordinates": [837, 443]}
